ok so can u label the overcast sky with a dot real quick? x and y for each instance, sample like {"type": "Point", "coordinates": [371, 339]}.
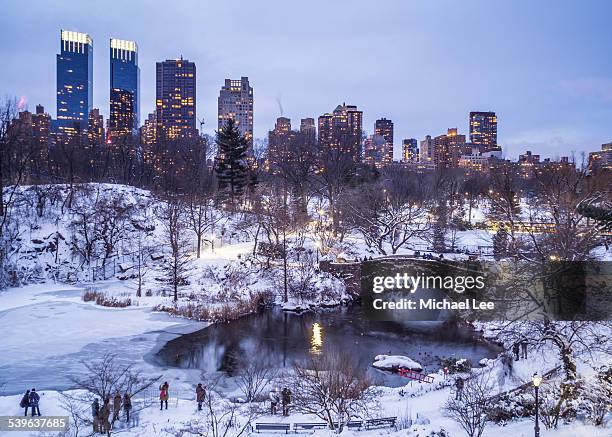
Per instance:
{"type": "Point", "coordinates": [544, 66]}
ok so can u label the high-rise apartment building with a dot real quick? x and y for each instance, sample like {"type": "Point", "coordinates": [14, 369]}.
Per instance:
{"type": "Point", "coordinates": [410, 150]}
{"type": "Point", "coordinates": [341, 131]}
{"type": "Point", "coordinates": [95, 129]}
{"type": "Point", "coordinates": [483, 130]}
{"type": "Point", "coordinates": [375, 150]}
{"type": "Point", "coordinates": [124, 88]}
{"type": "Point", "coordinates": [148, 129]}
{"type": "Point", "coordinates": [236, 102]}
{"type": "Point", "coordinates": [601, 159]}
{"type": "Point", "coordinates": [279, 142]}
{"type": "Point", "coordinates": [448, 149]}
{"type": "Point", "coordinates": [175, 99]}
{"type": "Point", "coordinates": [309, 130]}
{"type": "Point", "coordinates": [384, 128]}
{"type": "Point", "coordinates": [74, 82]}
{"type": "Point", "coordinates": [427, 150]}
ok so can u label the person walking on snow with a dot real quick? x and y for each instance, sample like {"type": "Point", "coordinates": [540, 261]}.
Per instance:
{"type": "Point", "coordinates": [459, 383]}
{"type": "Point", "coordinates": [95, 416]}
{"type": "Point", "coordinates": [127, 406]}
{"type": "Point", "coordinates": [286, 397]}
{"type": "Point", "coordinates": [515, 351]}
{"type": "Point", "coordinates": [163, 395]}
{"type": "Point", "coordinates": [104, 416]}
{"type": "Point", "coordinates": [200, 396]}
{"type": "Point", "coordinates": [116, 406]}
{"type": "Point", "coordinates": [25, 402]}
{"type": "Point", "coordinates": [34, 399]}
{"type": "Point", "coordinates": [524, 349]}
{"type": "Point", "coordinates": [274, 399]}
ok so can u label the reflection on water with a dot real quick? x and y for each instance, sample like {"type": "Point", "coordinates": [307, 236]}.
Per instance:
{"type": "Point", "coordinates": [316, 342]}
{"type": "Point", "coordinates": [283, 338]}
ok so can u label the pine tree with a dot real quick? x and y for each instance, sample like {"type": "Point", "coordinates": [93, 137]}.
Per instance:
{"type": "Point", "coordinates": [232, 166]}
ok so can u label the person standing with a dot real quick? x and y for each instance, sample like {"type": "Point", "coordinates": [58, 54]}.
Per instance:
{"type": "Point", "coordinates": [459, 383]}
{"type": "Point", "coordinates": [164, 395]}
{"type": "Point", "coordinates": [95, 415]}
{"type": "Point", "coordinates": [34, 399]}
{"type": "Point", "coordinates": [127, 406]}
{"type": "Point", "coordinates": [524, 349]}
{"type": "Point", "coordinates": [25, 402]}
{"type": "Point", "coordinates": [200, 395]}
{"type": "Point", "coordinates": [116, 406]}
{"type": "Point", "coordinates": [515, 351]}
{"type": "Point", "coordinates": [273, 401]}
{"type": "Point", "coordinates": [286, 398]}
{"type": "Point", "coordinates": [104, 416]}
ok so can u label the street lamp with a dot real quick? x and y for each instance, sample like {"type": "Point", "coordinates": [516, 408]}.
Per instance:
{"type": "Point", "coordinates": [537, 380]}
{"type": "Point", "coordinates": [317, 245]}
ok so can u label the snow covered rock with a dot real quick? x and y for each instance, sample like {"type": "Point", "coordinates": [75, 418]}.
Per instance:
{"type": "Point", "coordinates": [394, 362]}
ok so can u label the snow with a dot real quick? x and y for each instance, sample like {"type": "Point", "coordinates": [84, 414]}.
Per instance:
{"type": "Point", "coordinates": [388, 362]}
{"type": "Point", "coordinates": [47, 329]}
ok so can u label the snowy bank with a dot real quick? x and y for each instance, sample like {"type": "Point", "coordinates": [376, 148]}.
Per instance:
{"type": "Point", "coordinates": [394, 362]}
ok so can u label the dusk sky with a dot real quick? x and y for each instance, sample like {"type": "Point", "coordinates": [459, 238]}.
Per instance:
{"type": "Point", "coordinates": [545, 67]}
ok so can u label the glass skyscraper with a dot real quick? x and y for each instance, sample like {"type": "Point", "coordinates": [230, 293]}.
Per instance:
{"type": "Point", "coordinates": [175, 95]}
{"type": "Point", "coordinates": [124, 87]}
{"type": "Point", "coordinates": [483, 130]}
{"type": "Point", "coordinates": [74, 80]}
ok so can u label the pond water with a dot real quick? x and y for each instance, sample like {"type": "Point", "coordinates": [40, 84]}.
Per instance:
{"type": "Point", "coordinates": [282, 338]}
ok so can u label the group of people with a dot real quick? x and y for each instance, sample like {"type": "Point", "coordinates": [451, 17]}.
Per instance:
{"type": "Point", "coordinates": [101, 415]}
{"type": "Point", "coordinates": [164, 394]}
{"type": "Point", "coordinates": [283, 398]}
{"type": "Point", "coordinates": [31, 400]}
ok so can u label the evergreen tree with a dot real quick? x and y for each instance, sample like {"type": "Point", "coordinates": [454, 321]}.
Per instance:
{"type": "Point", "coordinates": [232, 166]}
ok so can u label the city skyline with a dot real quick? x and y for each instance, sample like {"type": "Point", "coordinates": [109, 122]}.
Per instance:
{"type": "Point", "coordinates": [541, 80]}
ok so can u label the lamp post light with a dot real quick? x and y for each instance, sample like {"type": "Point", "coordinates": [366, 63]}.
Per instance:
{"type": "Point", "coordinates": [317, 245]}
{"type": "Point", "coordinates": [537, 380]}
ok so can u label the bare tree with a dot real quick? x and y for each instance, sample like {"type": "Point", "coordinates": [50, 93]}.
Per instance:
{"type": "Point", "coordinates": [389, 215]}
{"type": "Point", "coordinates": [103, 378]}
{"type": "Point", "coordinates": [255, 372]}
{"type": "Point", "coordinates": [472, 409]}
{"type": "Point", "coordinates": [177, 260]}
{"type": "Point", "coordinates": [331, 387]}
{"type": "Point", "coordinates": [222, 417]}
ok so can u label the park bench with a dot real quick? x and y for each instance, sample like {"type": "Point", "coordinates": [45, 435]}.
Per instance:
{"type": "Point", "coordinates": [354, 424]}
{"type": "Point", "coordinates": [273, 427]}
{"type": "Point", "coordinates": [383, 421]}
{"type": "Point", "coordinates": [307, 426]}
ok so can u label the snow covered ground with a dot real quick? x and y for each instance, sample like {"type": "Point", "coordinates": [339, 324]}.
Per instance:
{"type": "Point", "coordinates": [48, 329]}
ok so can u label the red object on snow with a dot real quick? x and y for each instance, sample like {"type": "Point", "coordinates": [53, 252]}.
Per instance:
{"type": "Point", "coordinates": [417, 376]}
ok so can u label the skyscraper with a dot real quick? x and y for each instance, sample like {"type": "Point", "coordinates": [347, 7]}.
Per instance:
{"type": "Point", "coordinates": [384, 128]}
{"type": "Point", "coordinates": [483, 130]}
{"type": "Point", "coordinates": [175, 99]}
{"type": "Point", "coordinates": [341, 131]}
{"type": "Point", "coordinates": [308, 130]}
{"type": "Point", "coordinates": [427, 150]}
{"type": "Point", "coordinates": [410, 150]}
{"type": "Point", "coordinates": [236, 102]}
{"type": "Point", "coordinates": [124, 88]}
{"type": "Point", "coordinates": [375, 151]}
{"type": "Point", "coordinates": [279, 142]}
{"type": "Point", "coordinates": [448, 149]}
{"type": "Point", "coordinates": [74, 81]}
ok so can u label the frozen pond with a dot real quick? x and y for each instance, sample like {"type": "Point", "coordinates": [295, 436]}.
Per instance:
{"type": "Point", "coordinates": [286, 337]}
{"type": "Point", "coordinates": [47, 331]}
